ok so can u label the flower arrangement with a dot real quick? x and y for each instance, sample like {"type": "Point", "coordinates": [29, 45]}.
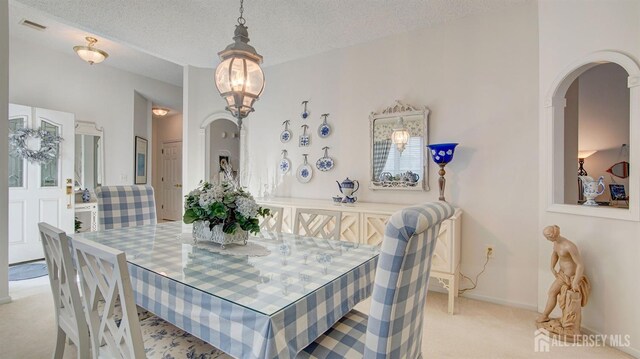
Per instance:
{"type": "Point", "coordinates": [223, 204]}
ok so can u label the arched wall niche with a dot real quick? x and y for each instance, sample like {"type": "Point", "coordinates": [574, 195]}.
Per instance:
{"type": "Point", "coordinates": [205, 142]}
{"type": "Point", "coordinates": [552, 137]}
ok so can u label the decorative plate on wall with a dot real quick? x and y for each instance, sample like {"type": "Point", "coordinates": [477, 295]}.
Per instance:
{"type": "Point", "coordinates": [305, 112]}
{"type": "Point", "coordinates": [305, 140]}
{"type": "Point", "coordinates": [285, 135]}
{"type": "Point", "coordinates": [324, 130]}
{"type": "Point", "coordinates": [285, 165]}
{"type": "Point", "coordinates": [325, 163]}
{"type": "Point", "coordinates": [305, 172]}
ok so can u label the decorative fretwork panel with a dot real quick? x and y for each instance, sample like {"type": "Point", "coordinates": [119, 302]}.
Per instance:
{"type": "Point", "coordinates": [374, 225]}
{"type": "Point", "coordinates": [317, 223]}
{"type": "Point", "coordinates": [442, 260]}
{"type": "Point", "coordinates": [350, 228]}
{"type": "Point", "coordinates": [287, 220]}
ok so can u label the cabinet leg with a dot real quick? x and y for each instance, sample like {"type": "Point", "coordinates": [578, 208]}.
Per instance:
{"type": "Point", "coordinates": [452, 296]}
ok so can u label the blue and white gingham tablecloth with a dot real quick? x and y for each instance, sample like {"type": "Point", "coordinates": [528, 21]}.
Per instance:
{"type": "Point", "coordinates": [249, 307]}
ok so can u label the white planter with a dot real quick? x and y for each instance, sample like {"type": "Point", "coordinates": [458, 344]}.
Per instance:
{"type": "Point", "coordinates": [201, 232]}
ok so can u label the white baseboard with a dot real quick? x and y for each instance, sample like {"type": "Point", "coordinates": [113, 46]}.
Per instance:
{"type": "Point", "coordinates": [5, 300]}
{"type": "Point", "coordinates": [489, 299]}
{"type": "Point", "coordinates": [629, 350]}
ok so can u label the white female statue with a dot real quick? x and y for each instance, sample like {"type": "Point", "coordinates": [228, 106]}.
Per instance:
{"type": "Point", "coordinates": [570, 290]}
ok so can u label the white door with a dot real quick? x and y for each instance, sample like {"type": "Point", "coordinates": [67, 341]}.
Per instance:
{"type": "Point", "coordinates": [171, 179]}
{"type": "Point", "coordinates": [38, 193]}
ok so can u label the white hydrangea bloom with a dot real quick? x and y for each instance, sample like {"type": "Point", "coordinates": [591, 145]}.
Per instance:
{"type": "Point", "coordinates": [247, 207]}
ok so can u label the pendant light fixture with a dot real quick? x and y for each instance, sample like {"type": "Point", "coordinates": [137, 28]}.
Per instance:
{"type": "Point", "coordinates": [89, 53]}
{"type": "Point", "coordinates": [238, 77]}
{"type": "Point", "coordinates": [400, 135]}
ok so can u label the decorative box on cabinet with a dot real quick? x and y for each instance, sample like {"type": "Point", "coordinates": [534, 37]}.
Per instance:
{"type": "Point", "coordinates": [364, 222]}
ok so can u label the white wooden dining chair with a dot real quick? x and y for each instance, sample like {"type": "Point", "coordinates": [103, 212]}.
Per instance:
{"type": "Point", "coordinates": [317, 223]}
{"type": "Point", "coordinates": [273, 222]}
{"type": "Point", "coordinates": [70, 317]}
{"type": "Point", "coordinates": [104, 275]}
{"type": "Point", "coordinates": [125, 206]}
{"type": "Point", "coordinates": [393, 328]}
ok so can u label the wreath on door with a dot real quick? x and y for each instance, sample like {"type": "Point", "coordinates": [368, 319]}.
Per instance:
{"type": "Point", "coordinates": [20, 146]}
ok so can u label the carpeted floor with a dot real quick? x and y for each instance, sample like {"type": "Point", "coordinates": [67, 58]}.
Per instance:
{"type": "Point", "coordinates": [478, 330]}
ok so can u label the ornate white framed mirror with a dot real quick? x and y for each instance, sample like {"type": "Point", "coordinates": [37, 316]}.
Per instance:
{"type": "Point", "coordinates": [89, 156]}
{"type": "Point", "coordinates": [398, 154]}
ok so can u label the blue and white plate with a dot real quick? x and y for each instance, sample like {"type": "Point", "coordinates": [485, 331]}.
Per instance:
{"type": "Point", "coordinates": [285, 136]}
{"type": "Point", "coordinates": [304, 174]}
{"type": "Point", "coordinates": [324, 130]}
{"type": "Point", "coordinates": [324, 164]}
{"type": "Point", "coordinates": [284, 166]}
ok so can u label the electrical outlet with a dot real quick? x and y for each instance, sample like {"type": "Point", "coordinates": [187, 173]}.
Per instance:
{"type": "Point", "coordinates": [488, 250]}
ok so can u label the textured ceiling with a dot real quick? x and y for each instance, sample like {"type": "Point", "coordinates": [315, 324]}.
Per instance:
{"type": "Point", "coordinates": [193, 31]}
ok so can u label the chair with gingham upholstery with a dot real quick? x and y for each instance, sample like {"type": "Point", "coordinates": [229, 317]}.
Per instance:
{"type": "Point", "coordinates": [393, 328]}
{"type": "Point", "coordinates": [125, 206]}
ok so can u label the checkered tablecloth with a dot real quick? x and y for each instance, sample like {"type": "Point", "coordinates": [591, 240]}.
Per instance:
{"type": "Point", "coordinates": [250, 307]}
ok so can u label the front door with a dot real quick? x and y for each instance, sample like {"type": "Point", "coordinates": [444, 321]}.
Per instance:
{"type": "Point", "coordinates": [171, 206]}
{"type": "Point", "coordinates": [38, 192]}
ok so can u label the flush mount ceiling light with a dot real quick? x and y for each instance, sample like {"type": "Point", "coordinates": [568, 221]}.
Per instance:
{"type": "Point", "coordinates": [159, 111]}
{"type": "Point", "coordinates": [89, 53]}
{"type": "Point", "coordinates": [239, 78]}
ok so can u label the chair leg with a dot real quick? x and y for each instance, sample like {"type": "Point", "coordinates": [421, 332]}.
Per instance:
{"type": "Point", "coordinates": [61, 342]}
{"type": "Point", "coordinates": [84, 348]}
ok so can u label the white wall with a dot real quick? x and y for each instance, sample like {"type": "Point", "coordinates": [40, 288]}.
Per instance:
{"type": "Point", "coordinates": [4, 190]}
{"type": "Point", "coordinates": [569, 30]}
{"type": "Point", "coordinates": [99, 93]}
{"type": "Point", "coordinates": [480, 83]}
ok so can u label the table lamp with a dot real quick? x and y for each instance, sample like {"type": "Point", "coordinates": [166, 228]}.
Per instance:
{"type": "Point", "coordinates": [442, 153]}
{"type": "Point", "coordinates": [582, 172]}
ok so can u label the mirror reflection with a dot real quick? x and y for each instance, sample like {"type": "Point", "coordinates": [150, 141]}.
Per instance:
{"type": "Point", "coordinates": [88, 164]}
{"type": "Point", "coordinates": [223, 147]}
{"type": "Point", "coordinates": [398, 140]}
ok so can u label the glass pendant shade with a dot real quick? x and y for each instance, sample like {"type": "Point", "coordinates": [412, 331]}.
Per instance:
{"type": "Point", "coordinates": [89, 53]}
{"type": "Point", "coordinates": [159, 111]}
{"type": "Point", "coordinates": [400, 136]}
{"type": "Point", "coordinates": [238, 77]}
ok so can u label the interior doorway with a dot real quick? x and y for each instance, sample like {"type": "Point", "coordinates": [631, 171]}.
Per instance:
{"type": "Point", "coordinates": [167, 167]}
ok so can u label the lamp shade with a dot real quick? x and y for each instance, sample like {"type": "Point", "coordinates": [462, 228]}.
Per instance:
{"type": "Point", "coordinates": [89, 53]}
{"type": "Point", "coordinates": [442, 152]}
{"type": "Point", "coordinates": [238, 77]}
{"type": "Point", "coordinates": [586, 153]}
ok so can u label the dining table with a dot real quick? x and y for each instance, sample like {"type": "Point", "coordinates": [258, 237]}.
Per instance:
{"type": "Point", "coordinates": [268, 300]}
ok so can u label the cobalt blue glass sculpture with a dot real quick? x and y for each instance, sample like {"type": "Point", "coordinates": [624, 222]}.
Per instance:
{"type": "Point", "coordinates": [442, 153]}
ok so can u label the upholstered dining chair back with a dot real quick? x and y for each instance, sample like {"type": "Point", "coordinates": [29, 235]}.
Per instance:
{"type": "Point", "coordinates": [394, 328]}
{"type": "Point", "coordinates": [317, 223]}
{"type": "Point", "coordinates": [125, 206]}
{"type": "Point", "coordinates": [70, 316]}
{"type": "Point", "coordinates": [104, 277]}
{"type": "Point", "coordinates": [273, 222]}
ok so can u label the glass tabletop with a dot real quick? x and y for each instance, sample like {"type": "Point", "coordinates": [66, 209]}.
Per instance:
{"type": "Point", "coordinates": [295, 267]}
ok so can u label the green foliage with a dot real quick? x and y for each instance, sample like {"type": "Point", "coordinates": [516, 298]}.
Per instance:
{"type": "Point", "coordinates": [224, 204]}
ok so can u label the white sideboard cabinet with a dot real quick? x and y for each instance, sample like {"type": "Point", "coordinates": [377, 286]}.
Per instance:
{"type": "Point", "coordinates": [364, 222]}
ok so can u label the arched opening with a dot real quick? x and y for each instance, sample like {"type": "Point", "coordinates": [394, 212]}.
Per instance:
{"type": "Point", "coordinates": [589, 132]}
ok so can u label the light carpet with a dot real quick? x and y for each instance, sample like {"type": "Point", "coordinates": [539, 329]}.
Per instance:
{"type": "Point", "coordinates": [477, 330]}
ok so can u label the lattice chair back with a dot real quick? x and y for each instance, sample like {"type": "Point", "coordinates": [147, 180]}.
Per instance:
{"type": "Point", "coordinates": [394, 328]}
{"type": "Point", "coordinates": [272, 223]}
{"type": "Point", "coordinates": [104, 276]}
{"type": "Point", "coordinates": [125, 206]}
{"type": "Point", "coordinates": [317, 223]}
{"type": "Point", "coordinates": [70, 316]}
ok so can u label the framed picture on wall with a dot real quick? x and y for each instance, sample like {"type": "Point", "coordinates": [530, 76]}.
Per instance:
{"type": "Point", "coordinates": [140, 169]}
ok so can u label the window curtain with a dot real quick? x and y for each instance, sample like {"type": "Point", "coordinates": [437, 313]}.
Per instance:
{"type": "Point", "coordinates": [380, 154]}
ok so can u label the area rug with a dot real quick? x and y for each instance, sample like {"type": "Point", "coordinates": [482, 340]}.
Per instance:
{"type": "Point", "coordinates": [27, 271]}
